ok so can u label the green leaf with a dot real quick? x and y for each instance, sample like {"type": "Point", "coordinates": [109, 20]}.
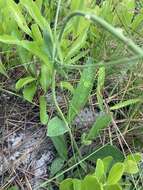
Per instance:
{"type": "Point", "coordinates": [22, 82]}
{"type": "Point", "coordinates": [67, 184]}
{"type": "Point", "coordinates": [2, 69]}
{"type": "Point", "coordinates": [43, 110]}
{"type": "Point", "coordinates": [36, 33]}
{"type": "Point", "coordinates": [113, 187]}
{"type": "Point", "coordinates": [9, 39]}
{"type": "Point", "coordinates": [107, 163]}
{"type": "Point", "coordinates": [29, 91]}
{"type": "Point", "coordinates": [137, 157]}
{"type": "Point", "coordinates": [48, 43]}
{"type": "Point", "coordinates": [137, 22]}
{"type": "Point", "coordinates": [101, 122]}
{"type": "Point", "coordinates": [108, 150]}
{"type": "Point", "coordinates": [91, 182]}
{"type": "Point", "coordinates": [35, 13]}
{"type": "Point", "coordinates": [83, 89]}
{"type": "Point", "coordinates": [77, 184]}
{"type": "Point", "coordinates": [67, 85]}
{"type": "Point", "coordinates": [61, 146]}
{"type": "Point", "coordinates": [131, 167]}
{"type": "Point", "coordinates": [45, 79]}
{"type": "Point", "coordinates": [17, 15]}
{"type": "Point", "coordinates": [56, 166]}
{"type": "Point", "coordinates": [99, 171]}
{"type": "Point", "coordinates": [100, 86]}
{"type": "Point", "coordinates": [76, 45]}
{"type": "Point", "coordinates": [115, 173]}
{"type": "Point", "coordinates": [56, 127]}
{"type": "Point", "coordinates": [126, 103]}
{"type": "Point", "coordinates": [32, 47]}
{"type": "Point", "coordinates": [79, 24]}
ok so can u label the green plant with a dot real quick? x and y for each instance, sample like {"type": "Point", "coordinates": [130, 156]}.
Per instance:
{"type": "Point", "coordinates": [106, 176]}
{"type": "Point", "coordinates": [56, 49]}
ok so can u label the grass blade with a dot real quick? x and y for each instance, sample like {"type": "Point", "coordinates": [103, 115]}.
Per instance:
{"type": "Point", "coordinates": [126, 103]}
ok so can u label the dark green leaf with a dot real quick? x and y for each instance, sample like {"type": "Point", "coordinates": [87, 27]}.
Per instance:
{"type": "Point", "coordinates": [56, 166]}
{"type": "Point", "coordinates": [101, 122]}
{"type": "Point", "coordinates": [61, 146]}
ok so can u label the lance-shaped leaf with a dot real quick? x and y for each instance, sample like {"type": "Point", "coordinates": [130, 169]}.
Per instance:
{"type": "Point", "coordinates": [82, 92]}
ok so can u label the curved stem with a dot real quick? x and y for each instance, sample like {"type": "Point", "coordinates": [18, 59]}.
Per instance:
{"type": "Point", "coordinates": [102, 63]}
{"type": "Point", "coordinates": [97, 20]}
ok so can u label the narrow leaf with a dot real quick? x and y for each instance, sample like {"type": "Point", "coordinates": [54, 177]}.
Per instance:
{"type": "Point", "coordinates": [126, 103]}
{"type": "Point", "coordinates": [100, 86]}
{"type": "Point", "coordinates": [99, 171]}
{"type": "Point", "coordinates": [45, 79]}
{"type": "Point", "coordinates": [22, 82]}
{"type": "Point", "coordinates": [101, 122]}
{"type": "Point", "coordinates": [2, 69]}
{"type": "Point", "coordinates": [43, 110]}
{"type": "Point", "coordinates": [83, 89]}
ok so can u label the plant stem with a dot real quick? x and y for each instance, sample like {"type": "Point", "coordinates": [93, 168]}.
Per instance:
{"type": "Point", "coordinates": [114, 31]}
{"type": "Point", "coordinates": [73, 142]}
{"type": "Point", "coordinates": [103, 63]}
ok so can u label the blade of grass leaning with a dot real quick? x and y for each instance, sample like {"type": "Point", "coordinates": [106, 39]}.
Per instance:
{"type": "Point", "coordinates": [101, 122]}
{"type": "Point", "coordinates": [126, 103]}
{"type": "Point", "coordinates": [82, 92]}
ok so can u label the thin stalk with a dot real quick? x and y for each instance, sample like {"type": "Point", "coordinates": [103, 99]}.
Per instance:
{"type": "Point", "coordinates": [55, 28]}
{"type": "Point", "coordinates": [97, 20]}
{"type": "Point", "coordinates": [103, 63]}
{"type": "Point", "coordinates": [73, 142]}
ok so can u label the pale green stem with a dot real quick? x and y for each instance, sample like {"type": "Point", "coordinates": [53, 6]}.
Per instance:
{"type": "Point", "coordinates": [114, 31]}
